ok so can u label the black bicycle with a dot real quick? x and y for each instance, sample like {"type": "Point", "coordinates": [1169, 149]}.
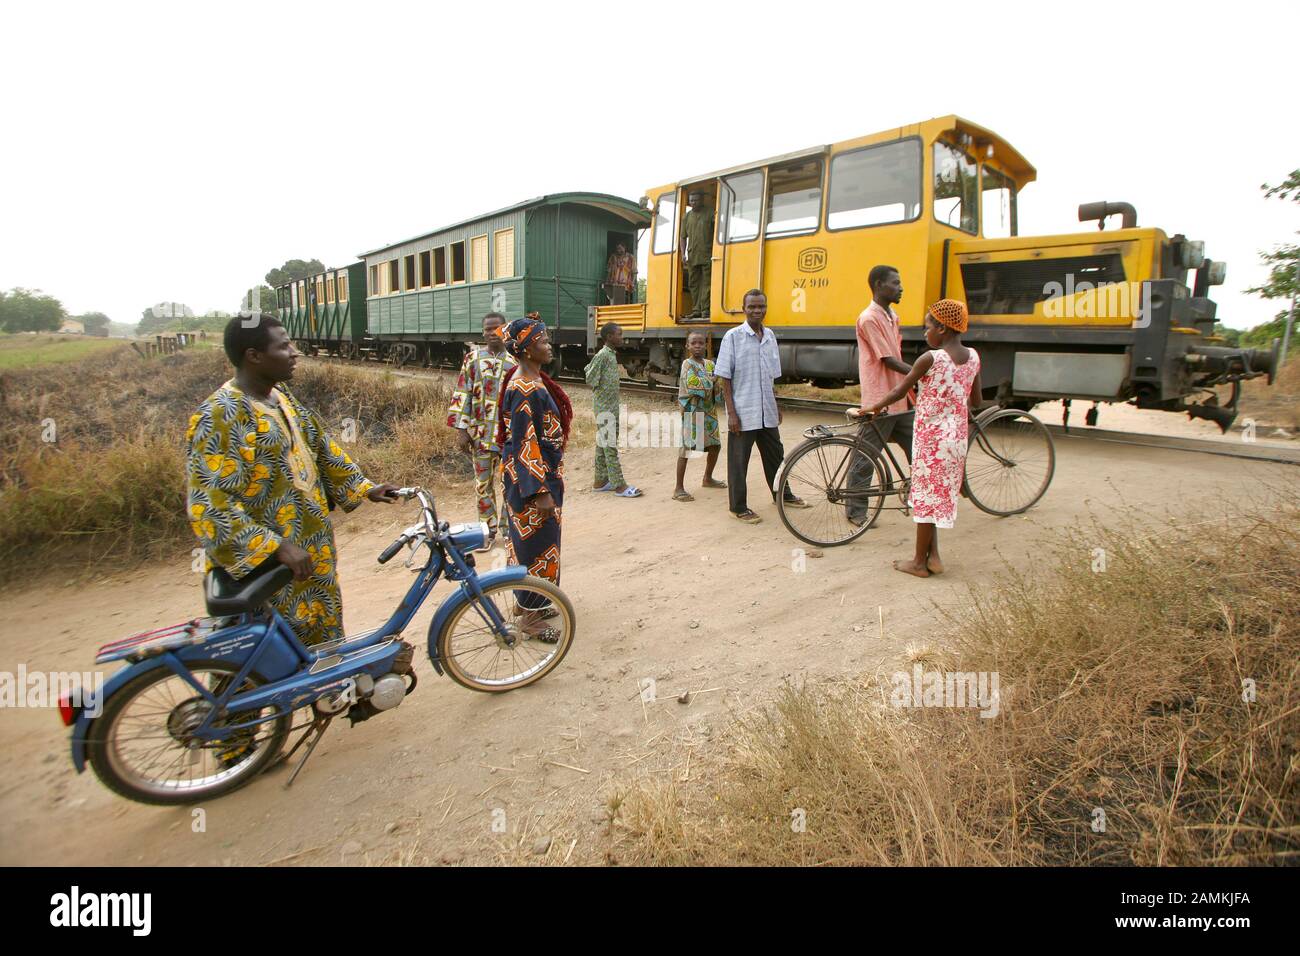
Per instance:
{"type": "Point", "coordinates": [845, 478]}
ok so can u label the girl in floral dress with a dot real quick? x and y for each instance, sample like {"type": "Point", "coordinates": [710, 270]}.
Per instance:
{"type": "Point", "coordinates": [949, 377]}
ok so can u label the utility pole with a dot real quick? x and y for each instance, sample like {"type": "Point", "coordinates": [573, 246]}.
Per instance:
{"type": "Point", "coordinates": [1290, 319]}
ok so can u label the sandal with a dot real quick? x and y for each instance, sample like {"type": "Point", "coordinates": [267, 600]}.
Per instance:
{"type": "Point", "coordinates": [547, 635]}
{"type": "Point", "coordinates": [713, 484]}
{"type": "Point", "coordinates": [747, 516]}
{"type": "Point", "coordinates": [607, 487]}
{"type": "Point", "coordinates": [631, 491]}
{"type": "Point", "coordinates": [796, 503]}
{"type": "Point", "coordinates": [683, 496]}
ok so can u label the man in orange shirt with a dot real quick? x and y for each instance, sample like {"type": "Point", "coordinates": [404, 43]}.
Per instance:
{"type": "Point", "coordinates": [880, 369]}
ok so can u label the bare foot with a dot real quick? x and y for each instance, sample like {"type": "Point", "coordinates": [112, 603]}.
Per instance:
{"type": "Point", "coordinates": [911, 567]}
{"type": "Point", "coordinates": [933, 564]}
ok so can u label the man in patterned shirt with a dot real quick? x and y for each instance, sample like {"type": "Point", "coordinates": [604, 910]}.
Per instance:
{"type": "Point", "coordinates": [602, 375]}
{"type": "Point", "coordinates": [475, 411]}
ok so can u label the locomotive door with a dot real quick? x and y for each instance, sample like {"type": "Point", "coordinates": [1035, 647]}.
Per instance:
{"type": "Point", "coordinates": [737, 256]}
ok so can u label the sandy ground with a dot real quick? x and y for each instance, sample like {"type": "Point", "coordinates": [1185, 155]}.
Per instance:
{"type": "Point", "coordinates": [680, 593]}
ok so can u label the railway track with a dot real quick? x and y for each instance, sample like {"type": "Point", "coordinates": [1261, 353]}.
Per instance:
{"type": "Point", "coordinates": [1252, 451]}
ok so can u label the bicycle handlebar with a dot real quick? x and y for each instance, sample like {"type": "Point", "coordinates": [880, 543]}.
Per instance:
{"type": "Point", "coordinates": [392, 549]}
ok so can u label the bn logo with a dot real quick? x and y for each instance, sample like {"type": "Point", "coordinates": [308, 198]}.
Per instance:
{"type": "Point", "coordinates": [812, 260]}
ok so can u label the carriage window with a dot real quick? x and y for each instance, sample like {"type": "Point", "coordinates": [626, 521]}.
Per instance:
{"type": "Point", "coordinates": [505, 253]}
{"type": "Point", "coordinates": [955, 183]}
{"type": "Point", "coordinates": [741, 202]}
{"type": "Point", "coordinates": [408, 267]}
{"type": "Point", "coordinates": [424, 270]}
{"type": "Point", "coordinates": [665, 224]}
{"type": "Point", "coordinates": [478, 259]}
{"type": "Point", "coordinates": [458, 262]}
{"type": "Point", "coordinates": [794, 203]}
{"type": "Point", "coordinates": [440, 266]}
{"type": "Point", "coordinates": [998, 205]}
{"type": "Point", "coordinates": [394, 278]}
{"type": "Point", "coordinates": [293, 296]}
{"type": "Point", "coordinates": [343, 287]}
{"type": "Point", "coordinates": [374, 280]}
{"type": "Point", "coordinates": [329, 290]}
{"type": "Point", "coordinates": [875, 185]}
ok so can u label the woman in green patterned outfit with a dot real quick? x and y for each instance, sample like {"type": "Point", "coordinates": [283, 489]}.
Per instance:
{"type": "Point", "coordinates": [263, 476]}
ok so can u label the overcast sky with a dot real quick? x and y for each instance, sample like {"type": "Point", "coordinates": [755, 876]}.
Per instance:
{"type": "Point", "coordinates": [177, 151]}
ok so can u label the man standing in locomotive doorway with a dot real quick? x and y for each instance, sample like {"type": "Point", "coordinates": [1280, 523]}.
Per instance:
{"type": "Point", "coordinates": [698, 253]}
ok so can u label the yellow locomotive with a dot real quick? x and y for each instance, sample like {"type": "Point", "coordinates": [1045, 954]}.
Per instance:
{"type": "Point", "coordinates": [1104, 316]}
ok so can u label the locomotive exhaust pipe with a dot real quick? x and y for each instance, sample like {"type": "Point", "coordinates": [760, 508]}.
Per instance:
{"type": "Point", "coordinates": [1098, 211]}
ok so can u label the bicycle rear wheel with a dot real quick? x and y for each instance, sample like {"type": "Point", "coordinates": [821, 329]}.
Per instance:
{"type": "Point", "coordinates": [1009, 462]}
{"type": "Point", "coordinates": [482, 656]}
{"type": "Point", "coordinates": [832, 476]}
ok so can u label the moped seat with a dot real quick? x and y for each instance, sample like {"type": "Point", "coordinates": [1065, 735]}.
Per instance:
{"type": "Point", "coordinates": [225, 595]}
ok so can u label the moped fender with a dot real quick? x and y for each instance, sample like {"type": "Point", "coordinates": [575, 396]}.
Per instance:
{"type": "Point", "coordinates": [460, 598]}
{"type": "Point", "coordinates": [111, 686]}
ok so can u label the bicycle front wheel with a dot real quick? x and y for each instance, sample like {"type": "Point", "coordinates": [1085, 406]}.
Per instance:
{"type": "Point", "coordinates": [1010, 461]}
{"type": "Point", "coordinates": [479, 654]}
{"type": "Point", "coordinates": [843, 484]}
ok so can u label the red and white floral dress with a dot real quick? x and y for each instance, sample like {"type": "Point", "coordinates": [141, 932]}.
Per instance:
{"type": "Point", "coordinates": [939, 438]}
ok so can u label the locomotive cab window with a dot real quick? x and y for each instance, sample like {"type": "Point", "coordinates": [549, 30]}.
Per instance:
{"type": "Point", "coordinates": [740, 207]}
{"type": "Point", "coordinates": [665, 236]}
{"type": "Point", "coordinates": [875, 185]}
{"type": "Point", "coordinates": [794, 198]}
{"type": "Point", "coordinates": [997, 204]}
{"type": "Point", "coordinates": [956, 180]}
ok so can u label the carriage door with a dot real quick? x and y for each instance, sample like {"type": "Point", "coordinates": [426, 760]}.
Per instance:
{"type": "Point", "coordinates": [736, 253]}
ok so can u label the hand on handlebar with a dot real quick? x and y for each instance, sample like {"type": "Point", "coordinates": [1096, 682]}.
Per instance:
{"type": "Point", "coordinates": [383, 494]}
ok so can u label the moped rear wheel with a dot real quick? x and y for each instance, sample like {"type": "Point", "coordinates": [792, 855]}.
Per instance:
{"type": "Point", "coordinates": [478, 655]}
{"type": "Point", "coordinates": [140, 747]}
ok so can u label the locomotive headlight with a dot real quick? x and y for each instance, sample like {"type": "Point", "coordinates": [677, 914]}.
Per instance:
{"type": "Point", "coordinates": [1192, 254]}
{"type": "Point", "coordinates": [1217, 273]}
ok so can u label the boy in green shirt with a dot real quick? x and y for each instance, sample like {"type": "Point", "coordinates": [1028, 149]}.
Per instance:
{"type": "Point", "coordinates": [602, 376]}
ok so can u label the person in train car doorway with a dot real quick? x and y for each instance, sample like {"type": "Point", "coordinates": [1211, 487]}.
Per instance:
{"type": "Point", "coordinates": [620, 276]}
{"type": "Point", "coordinates": [880, 369]}
{"type": "Point", "coordinates": [748, 363]}
{"type": "Point", "coordinates": [698, 253]}
{"type": "Point", "coordinates": [475, 413]}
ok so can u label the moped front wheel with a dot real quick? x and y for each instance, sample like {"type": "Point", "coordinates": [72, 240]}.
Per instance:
{"type": "Point", "coordinates": [142, 746]}
{"type": "Point", "coordinates": [478, 653]}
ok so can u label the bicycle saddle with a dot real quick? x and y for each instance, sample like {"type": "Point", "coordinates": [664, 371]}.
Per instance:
{"type": "Point", "coordinates": [225, 595]}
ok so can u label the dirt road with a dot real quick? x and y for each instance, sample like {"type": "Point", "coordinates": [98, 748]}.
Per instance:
{"type": "Point", "coordinates": [680, 593]}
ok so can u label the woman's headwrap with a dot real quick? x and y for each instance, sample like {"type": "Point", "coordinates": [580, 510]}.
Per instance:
{"type": "Point", "coordinates": [520, 332]}
{"type": "Point", "coordinates": [951, 313]}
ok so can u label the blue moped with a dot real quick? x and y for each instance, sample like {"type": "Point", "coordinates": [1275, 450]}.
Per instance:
{"type": "Point", "coordinates": [203, 707]}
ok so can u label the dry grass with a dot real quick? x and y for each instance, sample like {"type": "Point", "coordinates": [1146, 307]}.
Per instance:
{"type": "Point", "coordinates": [1276, 405]}
{"type": "Point", "coordinates": [111, 486]}
{"type": "Point", "coordinates": [1120, 690]}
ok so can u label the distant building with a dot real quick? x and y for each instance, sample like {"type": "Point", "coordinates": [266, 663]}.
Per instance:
{"type": "Point", "coordinates": [73, 326]}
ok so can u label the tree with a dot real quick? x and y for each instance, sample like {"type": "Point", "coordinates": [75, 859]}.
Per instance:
{"type": "Point", "coordinates": [157, 317]}
{"type": "Point", "coordinates": [293, 270]}
{"type": "Point", "coordinates": [30, 310]}
{"type": "Point", "coordinates": [1282, 261]}
{"type": "Point", "coordinates": [95, 323]}
{"type": "Point", "coordinates": [265, 299]}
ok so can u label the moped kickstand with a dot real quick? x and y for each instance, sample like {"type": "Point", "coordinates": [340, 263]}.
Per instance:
{"type": "Point", "coordinates": [318, 726]}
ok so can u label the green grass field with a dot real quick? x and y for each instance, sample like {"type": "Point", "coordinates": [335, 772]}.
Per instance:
{"type": "Point", "coordinates": [28, 351]}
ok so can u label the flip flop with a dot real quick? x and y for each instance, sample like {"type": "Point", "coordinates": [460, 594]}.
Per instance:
{"type": "Point", "coordinates": [683, 496]}
{"type": "Point", "coordinates": [747, 516]}
{"type": "Point", "coordinates": [796, 503]}
{"type": "Point", "coordinates": [607, 487]}
{"type": "Point", "coordinates": [631, 491]}
{"type": "Point", "coordinates": [715, 484]}
{"type": "Point", "coordinates": [548, 635]}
